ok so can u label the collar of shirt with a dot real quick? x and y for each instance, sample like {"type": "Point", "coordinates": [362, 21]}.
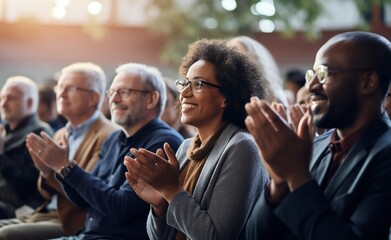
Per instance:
{"type": "Point", "coordinates": [82, 127]}
{"type": "Point", "coordinates": [344, 145]}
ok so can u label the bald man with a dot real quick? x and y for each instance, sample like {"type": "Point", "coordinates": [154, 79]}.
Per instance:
{"type": "Point", "coordinates": [337, 187]}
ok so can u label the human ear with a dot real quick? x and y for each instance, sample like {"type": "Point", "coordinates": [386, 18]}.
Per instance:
{"type": "Point", "coordinates": [153, 99]}
{"type": "Point", "coordinates": [370, 83]}
{"type": "Point", "coordinates": [224, 103]}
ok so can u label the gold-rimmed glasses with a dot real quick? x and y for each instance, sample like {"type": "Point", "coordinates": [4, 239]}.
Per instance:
{"type": "Point", "coordinates": [322, 72]}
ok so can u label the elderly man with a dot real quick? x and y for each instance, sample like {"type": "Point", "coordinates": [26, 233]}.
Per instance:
{"type": "Point", "coordinates": [338, 187]}
{"type": "Point", "coordinates": [18, 176]}
{"type": "Point", "coordinates": [80, 93]}
{"type": "Point", "coordinates": [114, 211]}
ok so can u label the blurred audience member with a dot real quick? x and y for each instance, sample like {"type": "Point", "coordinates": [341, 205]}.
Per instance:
{"type": "Point", "coordinates": [387, 102]}
{"type": "Point", "coordinates": [18, 175]}
{"type": "Point", "coordinates": [47, 109]}
{"type": "Point", "coordinates": [294, 80]}
{"type": "Point", "coordinates": [79, 92]}
{"type": "Point", "coordinates": [303, 96]}
{"type": "Point", "coordinates": [267, 66]}
{"type": "Point", "coordinates": [172, 114]}
{"type": "Point", "coordinates": [105, 109]}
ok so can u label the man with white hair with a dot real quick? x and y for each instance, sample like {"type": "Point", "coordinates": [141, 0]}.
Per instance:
{"type": "Point", "coordinates": [18, 176]}
{"type": "Point", "coordinates": [79, 96]}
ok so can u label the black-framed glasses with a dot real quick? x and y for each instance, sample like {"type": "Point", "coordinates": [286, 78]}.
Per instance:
{"type": "Point", "coordinates": [195, 84]}
{"type": "Point", "coordinates": [70, 89]}
{"type": "Point", "coordinates": [322, 72]}
{"type": "Point", "coordinates": [124, 92]}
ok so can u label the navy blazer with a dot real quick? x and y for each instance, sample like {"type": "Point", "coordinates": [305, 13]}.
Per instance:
{"type": "Point", "coordinates": [114, 211]}
{"type": "Point", "coordinates": [355, 204]}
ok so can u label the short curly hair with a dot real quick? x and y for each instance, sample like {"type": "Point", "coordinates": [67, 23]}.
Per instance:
{"type": "Point", "coordinates": [238, 77]}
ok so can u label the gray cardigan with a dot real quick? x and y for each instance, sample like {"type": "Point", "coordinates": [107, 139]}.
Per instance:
{"type": "Point", "coordinates": [230, 182]}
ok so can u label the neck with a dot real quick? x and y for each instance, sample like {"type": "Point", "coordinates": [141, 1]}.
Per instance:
{"type": "Point", "coordinates": [14, 124]}
{"type": "Point", "coordinates": [206, 131]}
{"type": "Point", "coordinates": [362, 120]}
{"type": "Point", "coordinates": [74, 121]}
{"type": "Point", "coordinates": [130, 131]}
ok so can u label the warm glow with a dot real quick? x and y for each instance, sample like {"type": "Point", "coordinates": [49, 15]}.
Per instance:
{"type": "Point", "coordinates": [58, 12]}
{"type": "Point", "coordinates": [94, 8]}
{"type": "Point", "coordinates": [62, 3]}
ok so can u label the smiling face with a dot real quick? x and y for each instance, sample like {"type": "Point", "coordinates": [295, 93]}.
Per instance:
{"type": "Point", "coordinates": [79, 105]}
{"type": "Point", "coordinates": [336, 103]}
{"type": "Point", "coordinates": [128, 111]}
{"type": "Point", "coordinates": [204, 109]}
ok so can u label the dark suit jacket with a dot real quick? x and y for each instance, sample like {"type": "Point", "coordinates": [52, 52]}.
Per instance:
{"type": "Point", "coordinates": [355, 204]}
{"type": "Point", "coordinates": [16, 166]}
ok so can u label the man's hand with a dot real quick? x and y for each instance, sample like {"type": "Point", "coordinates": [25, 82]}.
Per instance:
{"type": "Point", "coordinates": [285, 153]}
{"type": "Point", "coordinates": [44, 169]}
{"type": "Point", "coordinates": [47, 152]}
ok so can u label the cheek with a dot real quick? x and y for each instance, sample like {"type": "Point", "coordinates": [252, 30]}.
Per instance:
{"type": "Point", "coordinates": [387, 103]}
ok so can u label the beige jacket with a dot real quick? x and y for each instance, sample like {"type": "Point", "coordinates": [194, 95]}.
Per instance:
{"type": "Point", "coordinates": [72, 217]}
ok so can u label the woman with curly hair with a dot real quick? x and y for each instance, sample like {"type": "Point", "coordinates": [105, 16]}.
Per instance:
{"type": "Point", "coordinates": [207, 189]}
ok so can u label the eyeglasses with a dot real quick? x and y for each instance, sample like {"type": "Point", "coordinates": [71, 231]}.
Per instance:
{"type": "Point", "coordinates": [323, 71]}
{"type": "Point", "coordinates": [388, 94]}
{"type": "Point", "coordinates": [70, 89]}
{"type": "Point", "coordinates": [195, 85]}
{"type": "Point", "coordinates": [123, 92]}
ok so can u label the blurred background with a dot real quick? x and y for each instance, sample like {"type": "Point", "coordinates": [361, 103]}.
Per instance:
{"type": "Point", "coordinates": [39, 37]}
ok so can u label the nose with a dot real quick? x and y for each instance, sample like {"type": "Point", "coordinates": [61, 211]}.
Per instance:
{"type": "Point", "coordinates": [115, 97]}
{"type": "Point", "coordinates": [314, 84]}
{"type": "Point", "coordinates": [61, 92]}
{"type": "Point", "coordinates": [186, 92]}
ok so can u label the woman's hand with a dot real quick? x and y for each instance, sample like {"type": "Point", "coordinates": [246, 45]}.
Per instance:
{"type": "Point", "coordinates": [154, 170]}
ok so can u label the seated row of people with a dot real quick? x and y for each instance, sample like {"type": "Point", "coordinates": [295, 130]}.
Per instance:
{"type": "Point", "coordinates": [245, 174]}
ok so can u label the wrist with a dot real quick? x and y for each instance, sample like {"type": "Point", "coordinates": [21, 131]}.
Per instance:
{"type": "Point", "coordinates": [160, 210]}
{"type": "Point", "coordinates": [298, 181]}
{"type": "Point", "coordinates": [170, 193]}
{"type": "Point", "coordinates": [276, 192]}
{"type": "Point", "coordinates": [66, 169]}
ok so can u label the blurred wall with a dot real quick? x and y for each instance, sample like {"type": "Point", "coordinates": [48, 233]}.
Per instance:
{"type": "Point", "coordinates": [38, 51]}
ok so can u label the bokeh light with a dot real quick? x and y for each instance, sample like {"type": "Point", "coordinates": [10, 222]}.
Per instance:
{"type": "Point", "coordinates": [94, 8]}
{"type": "Point", "coordinates": [266, 25]}
{"type": "Point", "coordinates": [229, 5]}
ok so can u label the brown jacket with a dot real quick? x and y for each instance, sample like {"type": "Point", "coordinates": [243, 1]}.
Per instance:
{"type": "Point", "coordinates": [72, 217]}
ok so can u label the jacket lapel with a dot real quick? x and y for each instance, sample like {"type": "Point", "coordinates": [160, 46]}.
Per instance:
{"type": "Point", "coordinates": [321, 158]}
{"type": "Point", "coordinates": [357, 154]}
{"type": "Point", "coordinates": [213, 159]}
